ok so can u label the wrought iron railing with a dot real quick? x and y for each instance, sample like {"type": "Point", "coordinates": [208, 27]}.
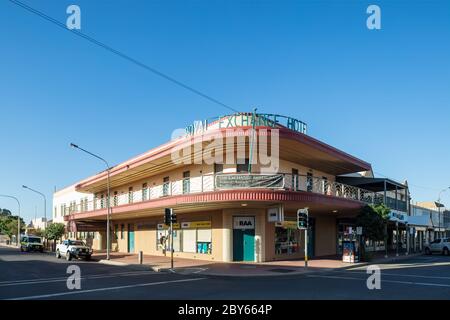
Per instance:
{"type": "Point", "coordinates": [228, 181]}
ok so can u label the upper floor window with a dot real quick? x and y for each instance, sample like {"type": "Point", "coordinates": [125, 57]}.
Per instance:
{"type": "Point", "coordinates": [116, 199]}
{"type": "Point", "coordinates": [144, 192]}
{"type": "Point", "coordinates": [55, 212]}
{"type": "Point", "coordinates": [102, 201]}
{"type": "Point", "coordinates": [309, 182]}
{"type": "Point", "coordinates": [166, 186]}
{"type": "Point", "coordinates": [295, 179]}
{"type": "Point", "coordinates": [218, 168]}
{"type": "Point", "coordinates": [186, 182]}
{"type": "Point", "coordinates": [242, 165]}
{"type": "Point", "coordinates": [130, 195]}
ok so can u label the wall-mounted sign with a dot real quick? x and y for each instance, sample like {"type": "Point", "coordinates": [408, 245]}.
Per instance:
{"type": "Point", "coordinates": [245, 181]}
{"type": "Point", "coordinates": [162, 226]}
{"type": "Point", "coordinates": [275, 214]}
{"type": "Point", "coordinates": [398, 217]}
{"type": "Point", "coordinates": [287, 224]}
{"type": "Point", "coordinates": [196, 225]}
{"type": "Point", "coordinates": [244, 223]}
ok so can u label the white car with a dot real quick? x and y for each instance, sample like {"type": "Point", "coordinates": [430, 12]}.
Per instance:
{"type": "Point", "coordinates": [439, 245]}
{"type": "Point", "coordinates": [73, 249]}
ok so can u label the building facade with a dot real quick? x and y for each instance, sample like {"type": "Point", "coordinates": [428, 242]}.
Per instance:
{"type": "Point", "coordinates": [238, 203]}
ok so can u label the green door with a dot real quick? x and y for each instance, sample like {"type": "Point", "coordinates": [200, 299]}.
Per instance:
{"type": "Point", "coordinates": [249, 245]}
{"type": "Point", "coordinates": [238, 247]}
{"type": "Point", "coordinates": [130, 238]}
{"type": "Point", "coordinates": [244, 245]}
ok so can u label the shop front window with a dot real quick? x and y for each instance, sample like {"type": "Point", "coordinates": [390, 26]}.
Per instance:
{"type": "Point", "coordinates": [287, 240]}
{"type": "Point", "coordinates": [190, 240]}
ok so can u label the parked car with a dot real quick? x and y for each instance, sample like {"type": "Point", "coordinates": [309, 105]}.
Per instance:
{"type": "Point", "coordinates": [439, 245]}
{"type": "Point", "coordinates": [73, 249]}
{"type": "Point", "coordinates": [31, 243]}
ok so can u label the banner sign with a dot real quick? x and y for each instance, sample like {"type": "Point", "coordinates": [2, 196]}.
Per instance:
{"type": "Point", "coordinates": [245, 181]}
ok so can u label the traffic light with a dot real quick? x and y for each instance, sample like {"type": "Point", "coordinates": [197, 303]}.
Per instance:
{"type": "Point", "coordinates": [174, 217]}
{"type": "Point", "coordinates": [167, 216]}
{"type": "Point", "coordinates": [302, 219]}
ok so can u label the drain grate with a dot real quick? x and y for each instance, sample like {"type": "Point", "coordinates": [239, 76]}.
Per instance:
{"type": "Point", "coordinates": [282, 270]}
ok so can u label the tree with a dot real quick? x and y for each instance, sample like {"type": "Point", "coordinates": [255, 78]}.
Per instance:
{"type": "Point", "coordinates": [5, 212]}
{"type": "Point", "coordinates": [373, 220]}
{"type": "Point", "coordinates": [55, 231]}
{"type": "Point", "coordinates": [8, 225]}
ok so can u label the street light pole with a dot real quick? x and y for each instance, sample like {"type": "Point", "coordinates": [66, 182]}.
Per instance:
{"type": "Point", "coordinates": [45, 203]}
{"type": "Point", "coordinates": [439, 208]}
{"type": "Point", "coordinates": [108, 206]}
{"type": "Point", "coordinates": [18, 218]}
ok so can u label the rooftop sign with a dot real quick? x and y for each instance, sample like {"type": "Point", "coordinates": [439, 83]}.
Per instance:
{"type": "Point", "coordinates": [247, 120]}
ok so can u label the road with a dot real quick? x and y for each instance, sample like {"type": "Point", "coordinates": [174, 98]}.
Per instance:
{"type": "Point", "coordinates": [32, 276]}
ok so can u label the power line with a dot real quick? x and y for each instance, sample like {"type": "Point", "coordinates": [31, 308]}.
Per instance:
{"type": "Point", "coordinates": [121, 54]}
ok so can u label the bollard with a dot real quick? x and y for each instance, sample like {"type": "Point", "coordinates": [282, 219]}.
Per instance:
{"type": "Point", "coordinates": [140, 257]}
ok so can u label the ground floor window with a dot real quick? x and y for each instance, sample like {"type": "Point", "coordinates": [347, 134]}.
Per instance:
{"type": "Point", "coordinates": [287, 238]}
{"type": "Point", "coordinates": [190, 240]}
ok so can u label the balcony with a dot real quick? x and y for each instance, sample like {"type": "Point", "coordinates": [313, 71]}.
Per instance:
{"type": "Point", "coordinates": [232, 181]}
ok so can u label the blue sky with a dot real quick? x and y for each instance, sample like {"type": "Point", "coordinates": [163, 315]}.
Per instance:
{"type": "Point", "coordinates": [380, 95]}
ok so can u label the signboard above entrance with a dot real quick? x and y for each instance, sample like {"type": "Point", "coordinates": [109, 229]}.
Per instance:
{"type": "Point", "coordinates": [244, 223]}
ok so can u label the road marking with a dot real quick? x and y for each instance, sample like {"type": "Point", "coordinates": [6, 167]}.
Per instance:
{"type": "Point", "coordinates": [383, 281]}
{"type": "Point", "coordinates": [63, 279]}
{"type": "Point", "coordinates": [51, 295]}
{"type": "Point", "coordinates": [396, 274]}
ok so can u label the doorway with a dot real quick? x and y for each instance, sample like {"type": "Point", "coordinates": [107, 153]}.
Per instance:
{"type": "Point", "coordinates": [244, 239]}
{"type": "Point", "coordinates": [130, 238]}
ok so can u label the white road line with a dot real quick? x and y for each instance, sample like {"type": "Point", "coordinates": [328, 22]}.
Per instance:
{"type": "Point", "coordinates": [384, 281]}
{"type": "Point", "coordinates": [51, 295]}
{"type": "Point", "coordinates": [396, 275]}
{"type": "Point", "coordinates": [60, 279]}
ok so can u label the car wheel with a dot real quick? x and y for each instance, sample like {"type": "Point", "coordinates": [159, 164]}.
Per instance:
{"type": "Point", "coordinates": [58, 255]}
{"type": "Point", "coordinates": [427, 251]}
{"type": "Point", "coordinates": [446, 252]}
{"type": "Point", "coordinates": [88, 258]}
{"type": "Point", "coordinates": [41, 250]}
{"type": "Point", "coordinates": [21, 249]}
{"type": "Point", "coordinates": [68, 256]}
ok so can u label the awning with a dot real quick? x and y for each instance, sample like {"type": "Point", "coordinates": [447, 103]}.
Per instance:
{"type": "Point", "coordinates": [421, 223]}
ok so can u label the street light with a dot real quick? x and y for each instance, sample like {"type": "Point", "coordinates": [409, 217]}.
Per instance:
{"type": "Point", "coordinates": [108, 196]}
{"type": "Point", "coordinates": [439, 208]}
{"type": "Point", "coordinates": [45, 203]}
{"type": "Point", "coordinates": [18, 218]}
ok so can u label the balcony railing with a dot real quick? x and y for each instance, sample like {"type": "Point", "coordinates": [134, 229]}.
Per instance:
{"type": "Point", "coordinates": [230, 181]}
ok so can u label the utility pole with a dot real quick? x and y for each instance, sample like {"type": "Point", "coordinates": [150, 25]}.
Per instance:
{"type": "Point", "coordinates": [108, 198]}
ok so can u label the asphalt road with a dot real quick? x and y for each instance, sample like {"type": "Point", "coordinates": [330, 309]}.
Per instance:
{"type": "Point", "coordinates": [26, 276]}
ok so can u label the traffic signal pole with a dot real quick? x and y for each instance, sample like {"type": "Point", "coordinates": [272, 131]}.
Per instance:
{"type": "Point", "coordinates": [306, 248]}
{"type": "Point", "coordinates": [171, 244]}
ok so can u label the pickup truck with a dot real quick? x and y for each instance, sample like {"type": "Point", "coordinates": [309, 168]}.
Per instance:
{"type": "Point", "coordinates": [73, 249]}
{"type": "Point", "coordinates": [439, 245]}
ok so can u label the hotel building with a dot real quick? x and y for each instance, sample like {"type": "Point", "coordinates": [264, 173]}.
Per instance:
{"type": "Point", "coordinates": [241, 206]}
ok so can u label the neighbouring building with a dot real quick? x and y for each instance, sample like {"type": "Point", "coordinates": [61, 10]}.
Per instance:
{"type": "Point", "coordinates": [241, 206]}
{"type": "Point", "coordinates": [437, 215]}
